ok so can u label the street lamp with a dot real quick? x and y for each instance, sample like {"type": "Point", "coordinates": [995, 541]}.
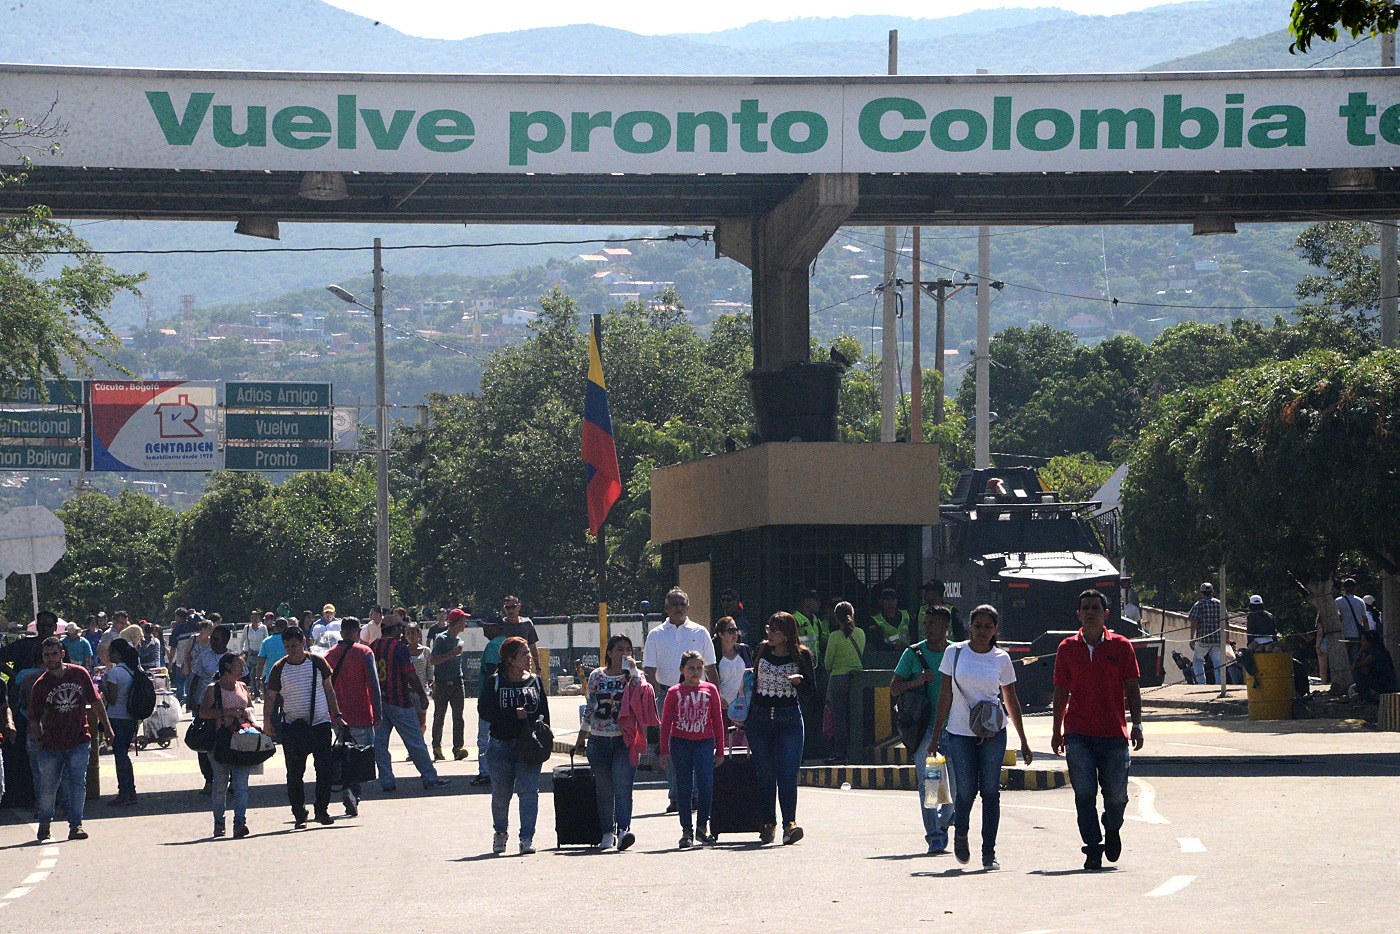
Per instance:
{"type": "Point", "coordinates": [381, 539]}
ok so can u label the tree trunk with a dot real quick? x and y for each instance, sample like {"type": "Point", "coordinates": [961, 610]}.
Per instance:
{"type": "Point", "coordinates": [1320, 592]}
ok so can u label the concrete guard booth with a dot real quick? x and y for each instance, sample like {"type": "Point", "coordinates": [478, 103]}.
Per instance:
{"type": "Point", "coordinates": [842, 519]}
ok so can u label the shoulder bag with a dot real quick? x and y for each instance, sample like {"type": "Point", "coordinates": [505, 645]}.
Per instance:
{"type": "Point", "coordinates": [913, 710]}
{"type": "Point", "coordinates": [201, 733]}
{"type": "Point", "coordinates": [535, 744]}
{"type": "Point", "coordinates": [246, 747]}
{"type": "Point", "coordinates": [986, 718]}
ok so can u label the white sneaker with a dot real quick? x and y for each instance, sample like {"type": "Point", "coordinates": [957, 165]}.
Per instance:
{"type": "Point", "coordinates": [498, 843]}
{"type": "Point", "coordinates": [527, 846]}
{"type": "Point", "coordinates": [607, 842]}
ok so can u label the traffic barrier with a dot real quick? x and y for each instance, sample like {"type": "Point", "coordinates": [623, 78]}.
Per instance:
{"type": "Point", "coordinates": [1033, 779]}
{"type": "Point", "coordinates": [1272, 699]}
{"type": "Point", "coordinates": [889, 777]}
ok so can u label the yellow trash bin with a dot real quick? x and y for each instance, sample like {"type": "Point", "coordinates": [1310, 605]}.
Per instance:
{"type": "Point", "coordinates": [1273, 698]}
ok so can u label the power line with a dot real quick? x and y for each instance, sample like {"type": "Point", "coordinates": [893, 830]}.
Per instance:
{"type": "Point", "coordinates": [1340, 51]}
{"type": "Point", "coordinates": [669, 238]}
{"type": "Point", "coordinates": [428, 340]}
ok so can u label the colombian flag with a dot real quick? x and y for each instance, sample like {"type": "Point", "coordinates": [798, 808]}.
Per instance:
{"type": "Point", "coordinates": [599, 451]}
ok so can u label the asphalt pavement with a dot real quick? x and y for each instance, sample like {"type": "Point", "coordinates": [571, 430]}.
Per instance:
{"type": "Point", "coordinates": [1231, 825]}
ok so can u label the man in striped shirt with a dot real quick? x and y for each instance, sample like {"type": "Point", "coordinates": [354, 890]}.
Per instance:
{"type": "Point", "coordinates": [399, 684]}
{"type": "Point", "coordinates": [308, 706]}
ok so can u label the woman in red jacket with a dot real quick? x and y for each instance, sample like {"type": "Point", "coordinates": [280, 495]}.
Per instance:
{"type": "Point", "coordinates": [692, 730]}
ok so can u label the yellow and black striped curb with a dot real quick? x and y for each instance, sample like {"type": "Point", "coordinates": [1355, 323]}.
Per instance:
{"type": "Point", "coordinates": [1388, 718]}
{"type": "Point", "coordinates": [1017, 779]}
{"type": "Point", "coordinates": [890, 752]}
{"type": "Point", "coordinates": [905, 778]}
{"type": "Point", "coordinates": [894, 777]}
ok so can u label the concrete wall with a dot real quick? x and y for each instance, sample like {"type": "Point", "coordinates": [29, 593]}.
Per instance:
{"type": "Point", "coordinates": [796, 484]}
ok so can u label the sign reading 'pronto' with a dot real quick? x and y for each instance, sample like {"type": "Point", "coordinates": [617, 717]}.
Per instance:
{"type": "Point", "coordinates": [488, 124]}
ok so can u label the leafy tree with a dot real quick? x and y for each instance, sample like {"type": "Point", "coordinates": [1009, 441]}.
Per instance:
{"type": "Point", "coordinates": [50, 308]}
{"type": "Point", "coordinates": [1343, 296]}
{"type": "Point", "coordinates": [1077, 476]}
{"type": "Point", "coordinates": [1320, 19]}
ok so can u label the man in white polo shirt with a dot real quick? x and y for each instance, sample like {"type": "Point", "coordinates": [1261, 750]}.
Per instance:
{"type": "Point", "coordinates": [661, 659]}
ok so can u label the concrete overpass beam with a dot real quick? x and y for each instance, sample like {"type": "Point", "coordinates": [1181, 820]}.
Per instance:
{"type": "Point", "coordinates": [778, 247]}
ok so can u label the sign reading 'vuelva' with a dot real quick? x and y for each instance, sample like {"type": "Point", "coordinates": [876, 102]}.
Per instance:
{"type": "Point", "coordinates": [491, 124]}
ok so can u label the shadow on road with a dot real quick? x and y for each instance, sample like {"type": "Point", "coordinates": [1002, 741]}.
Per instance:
{"type": "Point", "coordinates": [1362, 764]}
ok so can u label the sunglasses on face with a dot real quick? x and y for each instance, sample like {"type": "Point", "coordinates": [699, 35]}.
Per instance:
{"type": "Point", "coordinates": [725, 632]}
{"type": "Point", "coordinates": [512, 606]}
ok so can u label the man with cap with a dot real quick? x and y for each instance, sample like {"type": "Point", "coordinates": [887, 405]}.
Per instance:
{"type": "Point", "coordinates": [890, 622]}
{"type": "Point", "coordinates": [318, 629]}
{"type": "Point", "coordinates": [307, 709]}
{"type": "Point", "coordinates": [446, 659]}
{"type": "Point", "coordinates": [810, 627]}
{"type": "Point", "coordinates": [1373, 615]}
{"type": "Point", "coordinates": [356, 681]}
{"type": "Point", "coordinates": [79, 649]}
{"type": "Point", "coordinates": [1205, 616]}
{"type": "Point", "coordinates": [1260, 624]}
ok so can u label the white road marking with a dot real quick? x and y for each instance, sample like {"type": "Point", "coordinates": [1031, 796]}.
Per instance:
{"type": "Point", "coordinates": [1147, 797]}
{"type": "Point", "coordinates": [1191, 845]}
{"type": "Point", "coordinates": [13, 894]}
{"type": "Point", "coordinates": [50, 850]}
{"type": "Point", "coordinates": [34, 878]}
{"type": "Point", "coordinates": [1041, 931]}
{"type": "Point", "coordinates": [1171, 886]}
{"type": "Point", "coordinates": [163, 755]}
{"type": "Point", "coordinates": [47, 863]}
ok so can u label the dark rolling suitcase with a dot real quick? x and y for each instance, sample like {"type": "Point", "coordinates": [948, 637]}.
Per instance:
{"type": "Point", "coordinates": [576, 806]}
{"type": "Point", "coordinates": [735, 807]}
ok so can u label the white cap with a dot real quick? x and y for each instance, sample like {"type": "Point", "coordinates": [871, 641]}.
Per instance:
{"type": "Point", "coordinates": [1369, 600]}
{"type": "Point", "coordinates": [1256, 600]}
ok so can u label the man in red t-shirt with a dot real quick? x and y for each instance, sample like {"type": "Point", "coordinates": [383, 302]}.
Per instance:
{"type": "Point", "coordinates": [58, 714]}
{"type": "Point", "coordinates": [1096, 671]}
{"type": "Point", "coordinates": [356, 681]}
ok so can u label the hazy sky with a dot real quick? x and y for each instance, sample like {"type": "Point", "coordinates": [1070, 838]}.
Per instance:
{"type": "Point", "coordinates": [452, 19]}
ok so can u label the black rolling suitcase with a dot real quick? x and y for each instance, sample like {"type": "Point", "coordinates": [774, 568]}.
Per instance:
{"type": "Point", "coordinates": [735, 805]}
{"type": "Point", "coordinates": [576, 806]}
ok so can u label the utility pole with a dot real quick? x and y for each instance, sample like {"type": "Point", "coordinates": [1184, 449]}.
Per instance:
{"type": "Point", "coordinates": [889, 335]}
{"type": "Point", "coordinates": [940, 358]}
{"type": "Point", "coordinates": [381, 428]}
{"type": "Point", "coordinates": [916, 370]}
{"type": "Point", "coordinates": [1390, 336]}
{"type": "Point", "coordinates": [983, 452]}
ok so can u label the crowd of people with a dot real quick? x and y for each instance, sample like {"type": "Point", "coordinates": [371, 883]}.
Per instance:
{"type": "Point", "coordinates": [704, 695]}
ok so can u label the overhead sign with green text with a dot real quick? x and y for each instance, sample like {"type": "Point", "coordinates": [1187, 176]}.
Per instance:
{"type": "Point", "coordinates": [1323, 118]}
{"type": "Point", "coordinates": [277, 426]}
{"type": "Point", "coordinates": [277, 395]}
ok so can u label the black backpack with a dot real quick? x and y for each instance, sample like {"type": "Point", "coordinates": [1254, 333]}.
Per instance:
{"type": "Point", "coordinates": [141, 702]}
{"type": "Point", "coordinates": [913, 710]}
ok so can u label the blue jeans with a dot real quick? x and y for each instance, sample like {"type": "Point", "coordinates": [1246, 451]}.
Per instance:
{"type": "Point", "coordinates": [483, 743]}
{"type": "Point", "coordinates": [510, 775]}
{"type": "Point", "coordinates": [405, 720]}
{"type": "Point", "coordinates": [177, 684]}
{"type": "Point", "coordinates": [775, 741]}
{"type": "Point", "coordinates": [222, 774]}
{"type": "Point", "coordinates": [938, 819]}
{"type": "Point", "coordinates": [694, 760]}
{"type": "Point", "coordinates": [977, 770]}
{"type": "Point", "coordinates": [1098, 762]}
{"type": "Point", "coordinates": [363, 736]}
{"type": "Point", "coordinates": [122, 733]}
{"type": "Point", "coordinates": [52, 766]}
{"type": "Point", "coordinates": [1199, 654]}
{"type": "Point", "coordinates": [611, 764]}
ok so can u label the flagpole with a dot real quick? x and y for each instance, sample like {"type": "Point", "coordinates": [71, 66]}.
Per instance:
{"type": "Point", "coordinates": [600, 541]}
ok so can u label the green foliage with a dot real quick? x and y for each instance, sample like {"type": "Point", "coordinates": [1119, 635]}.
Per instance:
{"type": "Point", "coordinates": [1077, 476]}
{"type": "Point", "coordinates": [53, 293]}
{"type": "Point", "coordinates": [1342, 297]}
{"type": "Point", "coordinates": [1320, 19]}
{"type": "Point", "coordinates": [1277, 472]}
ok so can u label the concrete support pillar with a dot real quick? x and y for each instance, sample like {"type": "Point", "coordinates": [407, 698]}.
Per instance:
{"type": "Point", "coordinates": [779, 247]}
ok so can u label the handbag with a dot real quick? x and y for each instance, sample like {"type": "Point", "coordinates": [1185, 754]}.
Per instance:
{"type": "Point", "coordinates": [351, 763]}
{"type": "Point", "coordinates": [913, 710]}
{"type": "Point", "coordinates": [202, 734]}
{"type": "Point", "coordinates": [739, 706]}
{"type": "Point", "coordinates": [536, 741]}
{"type": "Point", "coordinates": [245, 747]}
{"type": "Point", "coordinates": [985, 718]}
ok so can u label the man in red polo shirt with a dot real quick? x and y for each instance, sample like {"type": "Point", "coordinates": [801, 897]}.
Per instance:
{"type": "Point", "coordinates": [1095, 672]}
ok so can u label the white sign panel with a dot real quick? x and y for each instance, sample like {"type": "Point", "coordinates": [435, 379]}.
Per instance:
{"type": "Point", "coordinates": [491, 124]}
{"type": "Point", "coordinates": [155, 425]}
